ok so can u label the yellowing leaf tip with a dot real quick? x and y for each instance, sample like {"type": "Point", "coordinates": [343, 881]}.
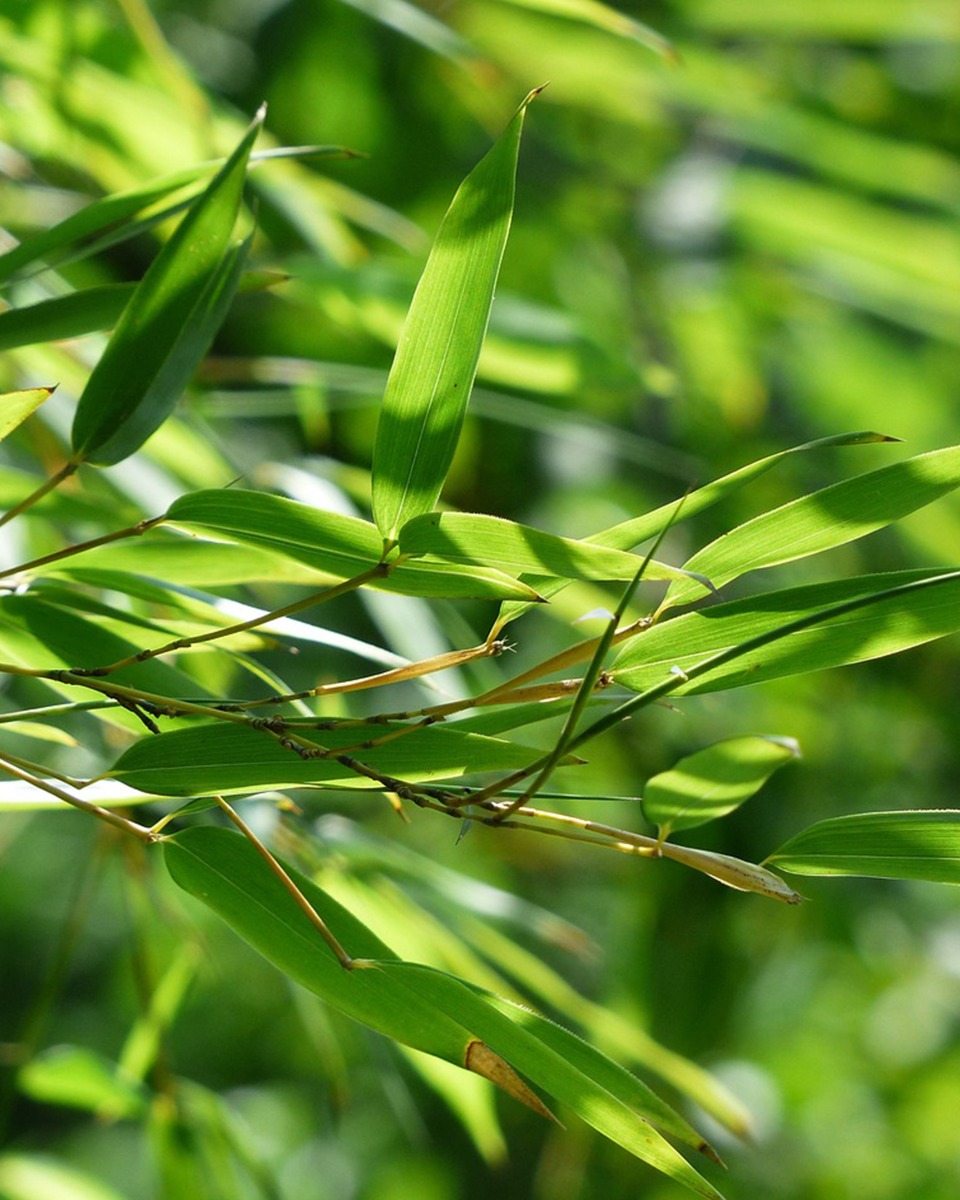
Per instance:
{"type": "Point", "coordinates": [483, 1061]}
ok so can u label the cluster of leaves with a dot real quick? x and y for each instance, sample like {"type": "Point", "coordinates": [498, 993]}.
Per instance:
{"type": "Point", "coordinates": [93, 624]}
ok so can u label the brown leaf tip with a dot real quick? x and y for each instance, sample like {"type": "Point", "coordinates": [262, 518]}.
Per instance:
{"type": "Point", "coordinates": [483, 1061]}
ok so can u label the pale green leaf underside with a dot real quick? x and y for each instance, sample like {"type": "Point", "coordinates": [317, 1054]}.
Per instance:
{"type": "Point", "coordinates": [336, 545]}
{"type": "Point", "coordinates": [713, 782]}
{"type": "Point", "coordinates": [231, 758]}
{"type": "Point", "coordinates": [914, 844]}
{"type": "Point", "coordinates": [877, 628]}
{"type": "Point", "coordinates": [822, 520]}
{"type": "Point", "coordinates": [467, 538]}
{"type": "Point", "coordinates": [436, 359]}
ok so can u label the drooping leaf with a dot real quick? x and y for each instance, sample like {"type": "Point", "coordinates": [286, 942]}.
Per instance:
{"type": "Point", "coordinates": [15, 407]}
{"type": "Point", "coordinates": [915, 844]}
{"type": "Point", "coordinates": [920, 606]}
{"type": "Point", "coordinates": [514, 549]}
{"type": "Point", "coordinates": [230, 758]}
{"type": "Point", "coordinates": [340, 546]}
{"type": "Point", "coordinates": [168, 323]}
{"type": "Point", "coordinates": [436, 359]}
{"type": "Point", "coordinates": [713, 782]}
{"type": "Point", "coordinates": [416, 1005]}
{"type": "Point", "coordinates": [832, 517]}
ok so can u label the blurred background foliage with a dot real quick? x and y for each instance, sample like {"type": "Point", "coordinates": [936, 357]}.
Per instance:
{"type": "Point", "coordinates": [717, 252]}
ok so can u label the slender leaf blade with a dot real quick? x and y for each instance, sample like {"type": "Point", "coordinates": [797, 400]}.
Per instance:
{"type": "Point", "coordinates": [898, 611]}
{"type": "Point", "coordinates": [124, 401]}
{"type": "Point", "coordinates": [916, 844]}
{"type": "Point", "coordinates": [467, 538]}
{"type": "Point", "coordinates": [436, 359]}
{"type": "Point", "coordinates": [714, 782]}
{"type": "Point", "coordinates": [831, 517]}
{"type": "Point", "coordinates": [233, 758]}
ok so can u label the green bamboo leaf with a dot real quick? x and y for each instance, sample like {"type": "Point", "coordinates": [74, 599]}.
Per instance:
{"type": "Point", "coordinates": [27, 1176]}
{"type": "Point", "coordinates": [65, 316]}
{"type": "Point", "coordinates": [228, 874]}
{"type": "Point", "coordinates": [77, 1077]}
{"type": "Point", "coordinates": [917, 844]}
{"type": "Point", "coordinates": [15, 407]}
{"type": "Point", "coordinates": [167, 325]}
{"type": "Point", "coordinates": [337, 545]}
{"type": "Point", "coordinates": [436, 359]}
{"type": "Point", "coordinates": [230, 758]}
{"type": "Point", "coordinates": [629, 534]}
{"type": "Point", "coordinates": [601, 16]}
{"type": "Point", "coordinates": [822, 520]}
{"type": "Point", "coordinates": [887, 613]}
{"type": "Point", "coordinates": [713, 782]}
{"type": "Point", "coordinates": [601, 1093]}
{"type": "Point", "coordinates": [112, 216]}
{"type": "Point", "coordinates": [476, 538]}
{"type": "Point", "coordinates": [415, 1005]}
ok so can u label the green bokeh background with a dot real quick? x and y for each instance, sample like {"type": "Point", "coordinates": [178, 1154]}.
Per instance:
{"type": "Point", "coordinates": [711, 259]}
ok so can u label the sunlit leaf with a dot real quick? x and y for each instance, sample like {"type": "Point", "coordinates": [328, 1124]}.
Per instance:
{"type": "Point", "coordinates": [436, 360]}
{"type": "Point", "coordinates": [832, 517]}
{"type": "Point", "coordinates": [15, 407]}
{"type": "Point", "coordinates": [477, 538]}
{"type": "Point", "coordinates": [886, 614]}
{"type": "Point", "coordinates": [77, 1077]}
{"type": "Point", "coordinates": [713, 782]}
{"type": "Point", "coordinates": [913, 844]}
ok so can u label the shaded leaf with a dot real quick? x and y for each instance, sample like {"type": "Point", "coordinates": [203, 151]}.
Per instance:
{"type": "Point", "coordinates": [917, 844]}
{"type": "Point", "coordinates": [167, 324]}
{"type": "Point", "coordinates": [231, 758]}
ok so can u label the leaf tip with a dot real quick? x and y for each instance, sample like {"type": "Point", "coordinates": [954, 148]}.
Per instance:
{"type": "Point", "coordinates": [483, 1061]}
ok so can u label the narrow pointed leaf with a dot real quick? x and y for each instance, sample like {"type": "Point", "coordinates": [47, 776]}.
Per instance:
{"type": "Point", "coordinates": [64, 317]}
{"type": "Point", "coordinates": [880, 615]}
{"type": "Point", "coordinates": [333, 543]}
{"type": "Point", "coordinates": [822, 520]}
{"type": "Point", "coordinates": [436, 359]}
{"type": "Point", "coordinates": [15, 407]}
{"type": "Point", "coordinates": [714, 781]}
{"type": "Point", "coordinates": [156, 344]}
{"type": "Point", "coordinates": [918, 844]}
{"type": "Point", "coordinates": [514, 549]}
{"type": "Point", "coordinates": [629, 534]}
{"type": "Point", "coordinates": [231, 758]}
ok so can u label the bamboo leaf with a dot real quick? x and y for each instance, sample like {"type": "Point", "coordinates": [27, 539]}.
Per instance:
{"type": "Point", "coordinates": [917, 844]}
{"type": "Point", "coordinates": [436, 359]}
{"type": "Point", "coordinates": [332, 543]}
{"type": "Point", "coordinates": [514, 549]}
{"type": "Point", "coordinates": [629, 534]}
{"type": "Point", "coordinates": [831, 517]}
{"type": "Point", "coordinates": [15, 407]}
{"type": "Point", "coordinates": [77, 1077]}
{"type": "Point", "coordinates": [881, 614]}
{"type": "Point", "coordinates": [713, 782]}
{"type": "Point", "coordinates": [231, 758]}
{"type": "Point", "coordinates": [167, 325]}
{"type": "Point", "coordinates": [416, 1005]}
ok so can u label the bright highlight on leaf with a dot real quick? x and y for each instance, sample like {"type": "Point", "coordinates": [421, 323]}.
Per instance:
{"type": "Point", "coordinates": [713, 782]}
{"type": "Point", "coordinates": [15, 407]}
{"type": "Point", "coordinates": [916, 844]}
{"type": "Point", "coordinates": [436, 360]}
